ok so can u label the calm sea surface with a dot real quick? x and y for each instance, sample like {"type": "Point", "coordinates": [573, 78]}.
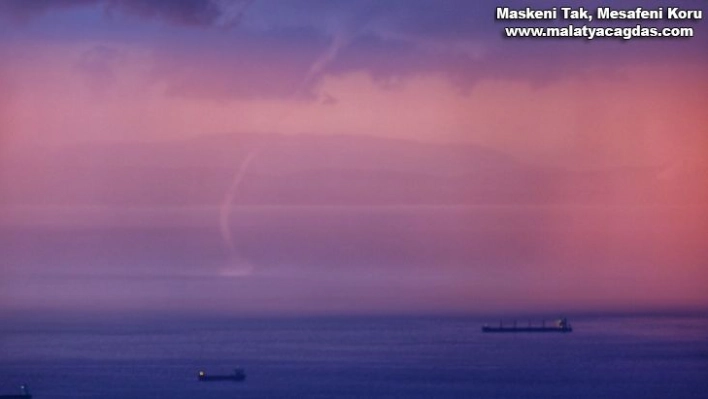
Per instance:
{"type": "Point", "coordinates": [358, 357]}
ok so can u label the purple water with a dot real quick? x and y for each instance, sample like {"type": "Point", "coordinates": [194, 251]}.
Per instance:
{"type": "Point", "coordinates": [356, 357]}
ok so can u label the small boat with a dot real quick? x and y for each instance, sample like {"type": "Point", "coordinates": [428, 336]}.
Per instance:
{"type": "Point", "coordinates": [238, 375]}
{"type": "Point", "coordinates": [24, 394]}
{"type": "Point", "coordinates": [561, 325]}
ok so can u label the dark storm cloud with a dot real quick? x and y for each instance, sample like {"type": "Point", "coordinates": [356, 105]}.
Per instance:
{"type": "Point", "coordinates": [23, 10]}
{"type": "Point", "coordinates": [462, 40]}
{"type": "Point", "coordinates": [177, 12]}
{"type": "Point", "coordinates": [392, 39]}
{"type": "Point", "coordinates": [251, 65]}
{"type": "Point", "coordinates": [183, 12]}
{"type": "Point", "coordinates": [286, 47]}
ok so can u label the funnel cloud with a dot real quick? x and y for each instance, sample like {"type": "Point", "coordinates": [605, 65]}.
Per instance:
{"type": "Point", "coordinates": [237, 266]}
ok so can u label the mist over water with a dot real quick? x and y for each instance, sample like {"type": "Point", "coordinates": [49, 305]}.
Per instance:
{"type": "Point", "coordinates": [332, 260]}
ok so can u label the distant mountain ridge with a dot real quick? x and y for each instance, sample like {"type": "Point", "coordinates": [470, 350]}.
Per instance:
{"type": "Point", "coordinates": [317, 170]}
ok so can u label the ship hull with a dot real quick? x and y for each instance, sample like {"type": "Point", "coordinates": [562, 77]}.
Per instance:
{"type": "Point", "coordinates": [526, 329]}
{"type": "Point", "coordinates": [223, 378]}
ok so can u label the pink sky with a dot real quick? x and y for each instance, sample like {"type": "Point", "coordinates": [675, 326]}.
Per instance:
{"type": "Point", "coordinates": [582, 164]}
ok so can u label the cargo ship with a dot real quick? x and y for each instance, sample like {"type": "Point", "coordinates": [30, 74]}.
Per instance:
{"type": "Point", "coordinates": [238, 375]}
{"type": "Point", "coordinates": [561, 325]}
